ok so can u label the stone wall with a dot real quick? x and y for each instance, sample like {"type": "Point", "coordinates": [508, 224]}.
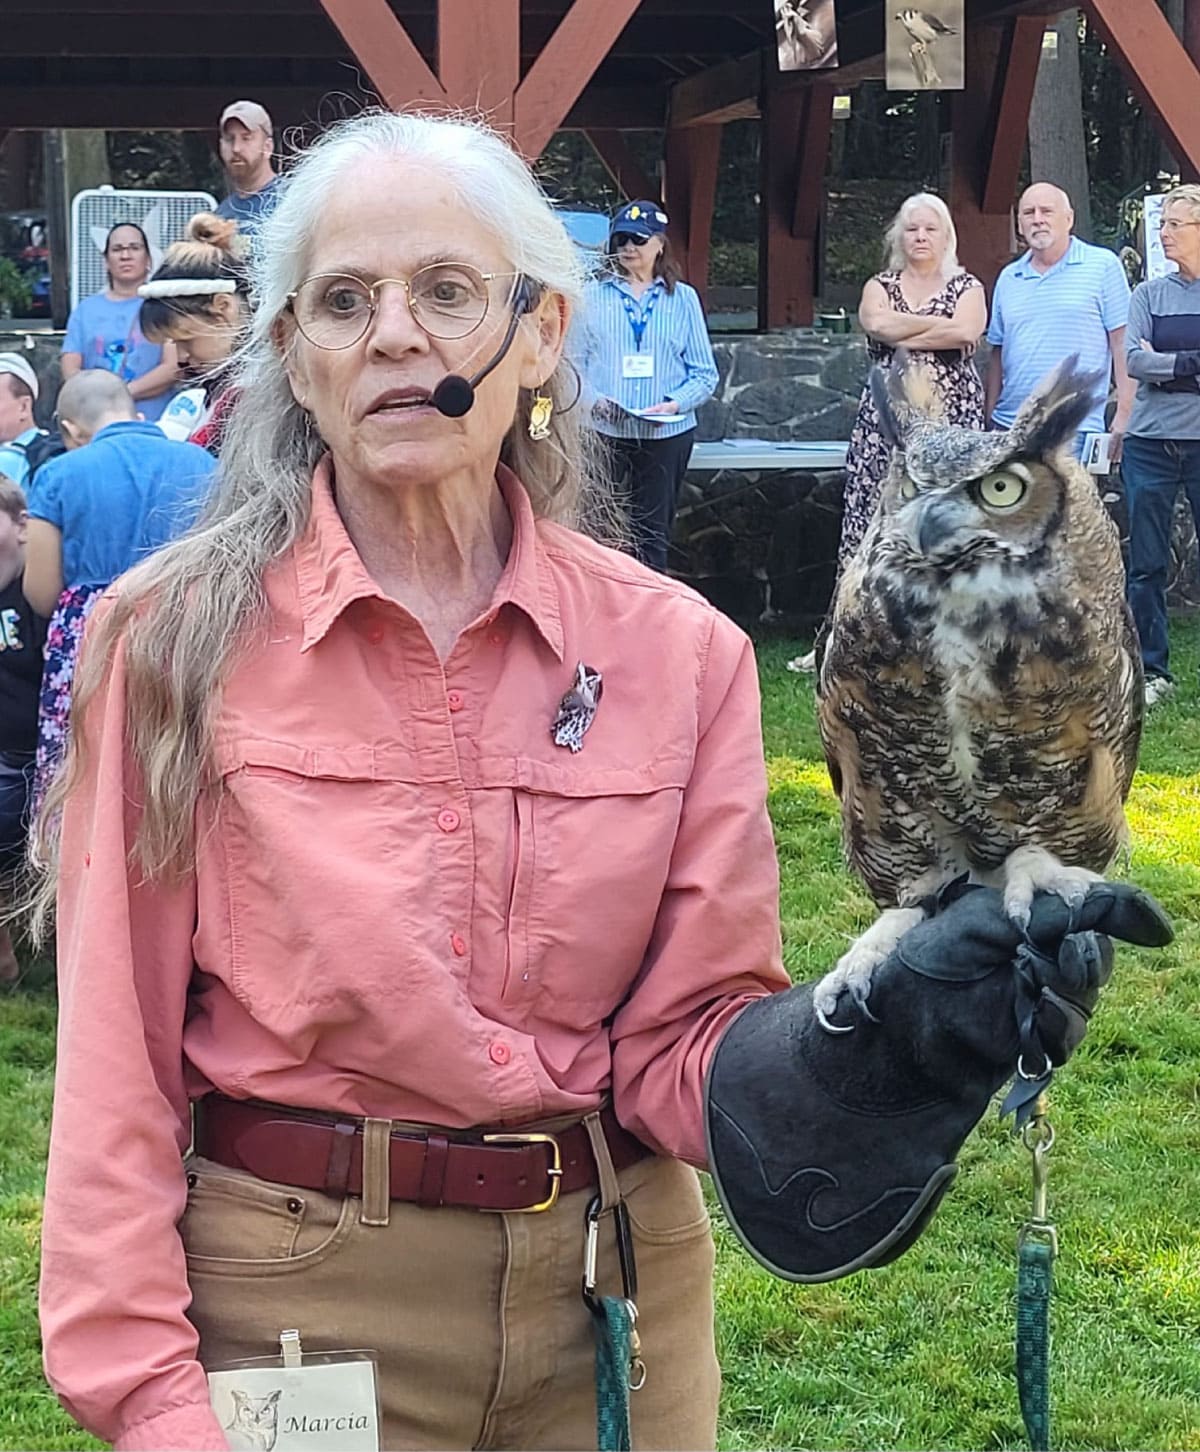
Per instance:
{"type": "Point", "coordinates": [762, 543]}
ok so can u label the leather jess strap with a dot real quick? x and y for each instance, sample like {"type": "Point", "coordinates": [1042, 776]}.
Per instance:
{"type": "Point", "coordinates": [325, 1152]}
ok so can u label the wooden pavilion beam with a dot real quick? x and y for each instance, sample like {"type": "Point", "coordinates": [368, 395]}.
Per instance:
{"type": "Point", "coordinates": [1158, 70]}
{"type": "Point", "coordinates": [692, 157]}
{"type": "Point", "coordinates": [479, 56]}
{"type": "Point", "coordinates": [42, 105]}
{"type": "Point", "coordinates": [728, 92]}
{"type": "Point", "coordinates": [385, 51]}
{"type": "Point", "coordinates": [557, 78]}
{"type": "Point", "coordinates": [793, 155]}
{"type": "Point", "coordinates": [619, 161]}
{"type": "Point", "coordinates": [981, 184]}
{"type": "Point", "coordinates": [1018, 68]}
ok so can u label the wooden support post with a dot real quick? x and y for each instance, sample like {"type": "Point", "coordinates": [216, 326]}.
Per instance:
{"type": "Point", "coordinates": [989, 119]}
{"type": "Point", "coordinates": [386, 52]}
{"type": "Point", "coordinates": [690, 194]}
{"type": "Point", "coordinates": [1158, 69]}
{"type": "Point", "coordinates": [621, 164]}
{"type": "Point", "coordinates": [557, 77]}
{"type": "Point", "coordinates": [479, 56]}
{"type": "Point", "coordinates": [54, 181]}
{"type": "Point", "coordinates": [793, 155]}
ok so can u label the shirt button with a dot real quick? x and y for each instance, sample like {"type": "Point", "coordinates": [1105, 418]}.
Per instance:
{"type": "Point", "coordinates": [496, 637]}
{"type": "Point", "coordinates": [455, 700]}
{"type": "Point", "coordinates": [459, 944]}
{"type": "Point", "coordinates": [448, 819]}
{"type": "Point", "coordinates": [374, 633]}
{"type": "Point", "coordinates": [499, 1053]}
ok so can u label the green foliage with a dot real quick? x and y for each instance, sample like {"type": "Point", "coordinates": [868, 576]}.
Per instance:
{"type": "Point", "coordinates": [16, 295]}
{"type": "Point", "coordinates": [919, 1354]}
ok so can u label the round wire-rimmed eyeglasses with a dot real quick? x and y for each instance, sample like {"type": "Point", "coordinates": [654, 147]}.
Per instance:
{"type": "Point", "coordinates": [448, 300]}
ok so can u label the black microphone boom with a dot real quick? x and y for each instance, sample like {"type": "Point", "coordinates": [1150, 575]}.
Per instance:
{"type": "Point", "coordinates": [455, 395]}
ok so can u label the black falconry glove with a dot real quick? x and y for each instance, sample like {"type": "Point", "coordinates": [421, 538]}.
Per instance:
{"type": "Point", "coordinates": [830, 1153]}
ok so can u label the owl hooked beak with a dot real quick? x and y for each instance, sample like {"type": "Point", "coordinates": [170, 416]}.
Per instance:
{"type": "Point", "coordinates": [937, 519]}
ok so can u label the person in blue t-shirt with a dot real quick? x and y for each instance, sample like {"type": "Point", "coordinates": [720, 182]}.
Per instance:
{"type": "Point", "coordinates": [104, 331]}
{"type": "Point", "coordinates": [247, 150]}
{"type": "Point", "coordinates": [121, 491]}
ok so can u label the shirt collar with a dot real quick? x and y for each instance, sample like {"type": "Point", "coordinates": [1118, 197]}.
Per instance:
{"type": "Point", "coordinates": [622, 285]}
{"type": "Point", "coordinates": [330, 574]}
{"type": "Point", "coordinates": [1073, 255]}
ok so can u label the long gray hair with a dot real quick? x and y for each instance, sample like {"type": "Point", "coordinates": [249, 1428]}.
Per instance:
{"type": "Point", "coordinates": [184, 614]}
{"type": "Point", "coordinates": [893, 238]}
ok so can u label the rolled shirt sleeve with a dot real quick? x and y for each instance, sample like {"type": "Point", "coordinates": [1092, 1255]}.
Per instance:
{"type": "Point", "coordinates": [119, 1349]}
{"type": "Point", "coordinates": [698, 360]}
{"type": "Point", "coordinates": [1114, 294]}
{"type": "Point", "coordinates": [716, 943]}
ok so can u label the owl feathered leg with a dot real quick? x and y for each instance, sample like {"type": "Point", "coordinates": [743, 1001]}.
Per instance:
{"type": "Point", "coordinates": [1030, 870]}
{"type": "Point", "coordinates": [857, 965]}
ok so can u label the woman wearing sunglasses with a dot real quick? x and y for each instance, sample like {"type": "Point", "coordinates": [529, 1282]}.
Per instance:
{"type": "Point", "coordinates": [647, 366]}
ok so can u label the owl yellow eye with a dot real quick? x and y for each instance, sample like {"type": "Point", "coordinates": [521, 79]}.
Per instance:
{"type": "Point", "coordinates": [908, 490]}
{"type": "Point", "coordinates": [1001, 490]}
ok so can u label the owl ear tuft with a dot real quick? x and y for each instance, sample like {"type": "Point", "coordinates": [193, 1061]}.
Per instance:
{"type": "Point", "coordinates": [1053, 412]}
{"type": "Point", "coordinates": [904, 395]}
{"type": "Point", "coordinates": [881, 383]}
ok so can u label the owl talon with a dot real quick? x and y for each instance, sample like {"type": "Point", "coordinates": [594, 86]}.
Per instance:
{"type": "Point", "coordinates": [832, 1028]}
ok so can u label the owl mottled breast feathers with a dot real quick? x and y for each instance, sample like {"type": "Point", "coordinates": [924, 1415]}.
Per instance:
{"type": "Point", "coordinates": [981, 688]}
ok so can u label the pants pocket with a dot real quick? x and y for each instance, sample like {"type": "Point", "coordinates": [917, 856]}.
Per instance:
{"type": "Point", "coordinates": [236, 1224]}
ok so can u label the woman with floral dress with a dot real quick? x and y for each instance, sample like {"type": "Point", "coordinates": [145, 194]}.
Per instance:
{"type": "Point", "coordinates": [929, 305]}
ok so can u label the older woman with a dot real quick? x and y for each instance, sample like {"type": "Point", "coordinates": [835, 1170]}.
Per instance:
{"type": "Point", "coordinates": [1162, 446]}
{"type": "Point", "coordinates": [926, 303]}
{"type": "Point", "coordinates": [418, 845]}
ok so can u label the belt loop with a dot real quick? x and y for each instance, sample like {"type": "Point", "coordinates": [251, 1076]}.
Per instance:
{"type": "Point", "coordinates": [376, 1172]}
{"type": "Point", "coordinates": [341, 1151]}
{"type": "Point", "coordinates": [610, 1190]}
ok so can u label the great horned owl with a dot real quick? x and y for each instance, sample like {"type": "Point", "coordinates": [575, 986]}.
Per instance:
{"type": "Point", "coordinates": [980, 699]}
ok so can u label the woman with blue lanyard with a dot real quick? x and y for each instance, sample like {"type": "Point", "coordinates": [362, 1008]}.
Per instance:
{"type": "Point", "coordinates": [648, 366]}
{"type": "Point", "coordinates": [104, 331]}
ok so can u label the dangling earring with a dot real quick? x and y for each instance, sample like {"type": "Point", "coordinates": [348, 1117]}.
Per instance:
{"type": "Point", "coordinates": [540, 412]}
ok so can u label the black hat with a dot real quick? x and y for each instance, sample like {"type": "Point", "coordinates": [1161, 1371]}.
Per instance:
{"type": "Point", "coordinates": [830, 1153]}
{"type": "Point", "coordinates": [639, 219]}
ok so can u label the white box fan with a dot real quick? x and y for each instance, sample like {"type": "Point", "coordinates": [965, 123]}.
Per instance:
{"type": "Point", "coordinates": [163, 216]}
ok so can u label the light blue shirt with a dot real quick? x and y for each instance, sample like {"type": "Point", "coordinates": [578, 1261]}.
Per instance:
{"type": "Point", "coordinates": [13, 460]}
{"type": "Point", "coordinates": [674, 336]}
{"type": "Point", "coordinates": [1040, 318]}
{"type": "Point", "coordinates": [119, 497]}
{"type": "Point", "coordinates": [106, 332]}
{"type": "Point", "coordinates": [254, 208]}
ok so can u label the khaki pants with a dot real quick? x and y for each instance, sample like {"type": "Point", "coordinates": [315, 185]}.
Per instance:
{"type": "Point", "coordinates": [481, 1334]}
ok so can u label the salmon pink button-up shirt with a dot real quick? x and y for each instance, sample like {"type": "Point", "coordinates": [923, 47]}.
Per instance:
{"type": "Point", "coordinates": [407, 902]}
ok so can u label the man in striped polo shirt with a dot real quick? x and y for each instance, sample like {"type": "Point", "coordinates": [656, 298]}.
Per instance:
{"type": "Point", "coordinates": [1063, 296]}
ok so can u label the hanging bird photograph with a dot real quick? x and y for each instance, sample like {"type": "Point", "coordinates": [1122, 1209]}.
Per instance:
{"type": "Point", "coordinates": [923, 26]}
{"type": "Point", "coordinates": [980, 698]}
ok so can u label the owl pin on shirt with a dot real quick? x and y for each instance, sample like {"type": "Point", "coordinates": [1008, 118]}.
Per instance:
{"type": "Point", "coordinates": [577, 709]}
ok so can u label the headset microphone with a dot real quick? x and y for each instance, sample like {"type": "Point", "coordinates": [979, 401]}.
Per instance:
{"type": "Point", "coordinates": [455, 395]}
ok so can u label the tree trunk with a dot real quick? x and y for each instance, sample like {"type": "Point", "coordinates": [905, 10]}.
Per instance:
{"type": "Point", "coordinates": [1057, 147]}
{"type": "Point", "coordinates": [85, 159]}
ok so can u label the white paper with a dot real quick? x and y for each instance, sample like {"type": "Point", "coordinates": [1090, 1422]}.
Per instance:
{"type": "Point", "coordinates": [321, 1408]}
{"type": "Point", "coordinates": [1095, 457]}
{"type": "Point", "coordinates": [657, 418]}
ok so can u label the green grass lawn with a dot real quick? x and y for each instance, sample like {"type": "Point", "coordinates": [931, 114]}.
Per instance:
{"type": "Point", "coordinates": [917, 1355]}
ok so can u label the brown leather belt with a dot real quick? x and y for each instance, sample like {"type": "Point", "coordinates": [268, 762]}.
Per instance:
{"type": "Point", "coordinates": [508, 1170]}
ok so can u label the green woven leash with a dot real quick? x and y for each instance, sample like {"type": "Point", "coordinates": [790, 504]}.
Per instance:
{"type": "Point", "coordinates": [1037, 1246]}
{"type": "Point", "coordinates": [614, 1352]}
{"type": "Point", "coordinates": [619, 1366]}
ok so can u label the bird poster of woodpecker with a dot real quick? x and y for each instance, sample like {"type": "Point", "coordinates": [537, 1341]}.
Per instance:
{"type": "Point", "coordinates": [925, 47]}
{"type": "Point", "coordinates": [805, 34]}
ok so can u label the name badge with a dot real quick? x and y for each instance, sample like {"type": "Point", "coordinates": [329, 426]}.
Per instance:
{"type": "Point", "coordinates": [637, 365]}
{"type": "Point", "coordinates": [326, 1402]}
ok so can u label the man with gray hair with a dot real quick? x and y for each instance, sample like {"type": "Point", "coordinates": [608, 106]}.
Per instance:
{"type": "Point", "coordinates": [1063, 297]}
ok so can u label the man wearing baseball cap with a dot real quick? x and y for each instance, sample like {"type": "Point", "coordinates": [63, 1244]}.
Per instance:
{"type": "Point", "coordinates": [18, 394]}
{"type": "Point", "coordinates": [247, 144]}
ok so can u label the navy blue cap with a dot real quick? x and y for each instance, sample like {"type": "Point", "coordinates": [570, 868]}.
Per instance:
{"type": "Point", "coordinates": [641, 219]}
